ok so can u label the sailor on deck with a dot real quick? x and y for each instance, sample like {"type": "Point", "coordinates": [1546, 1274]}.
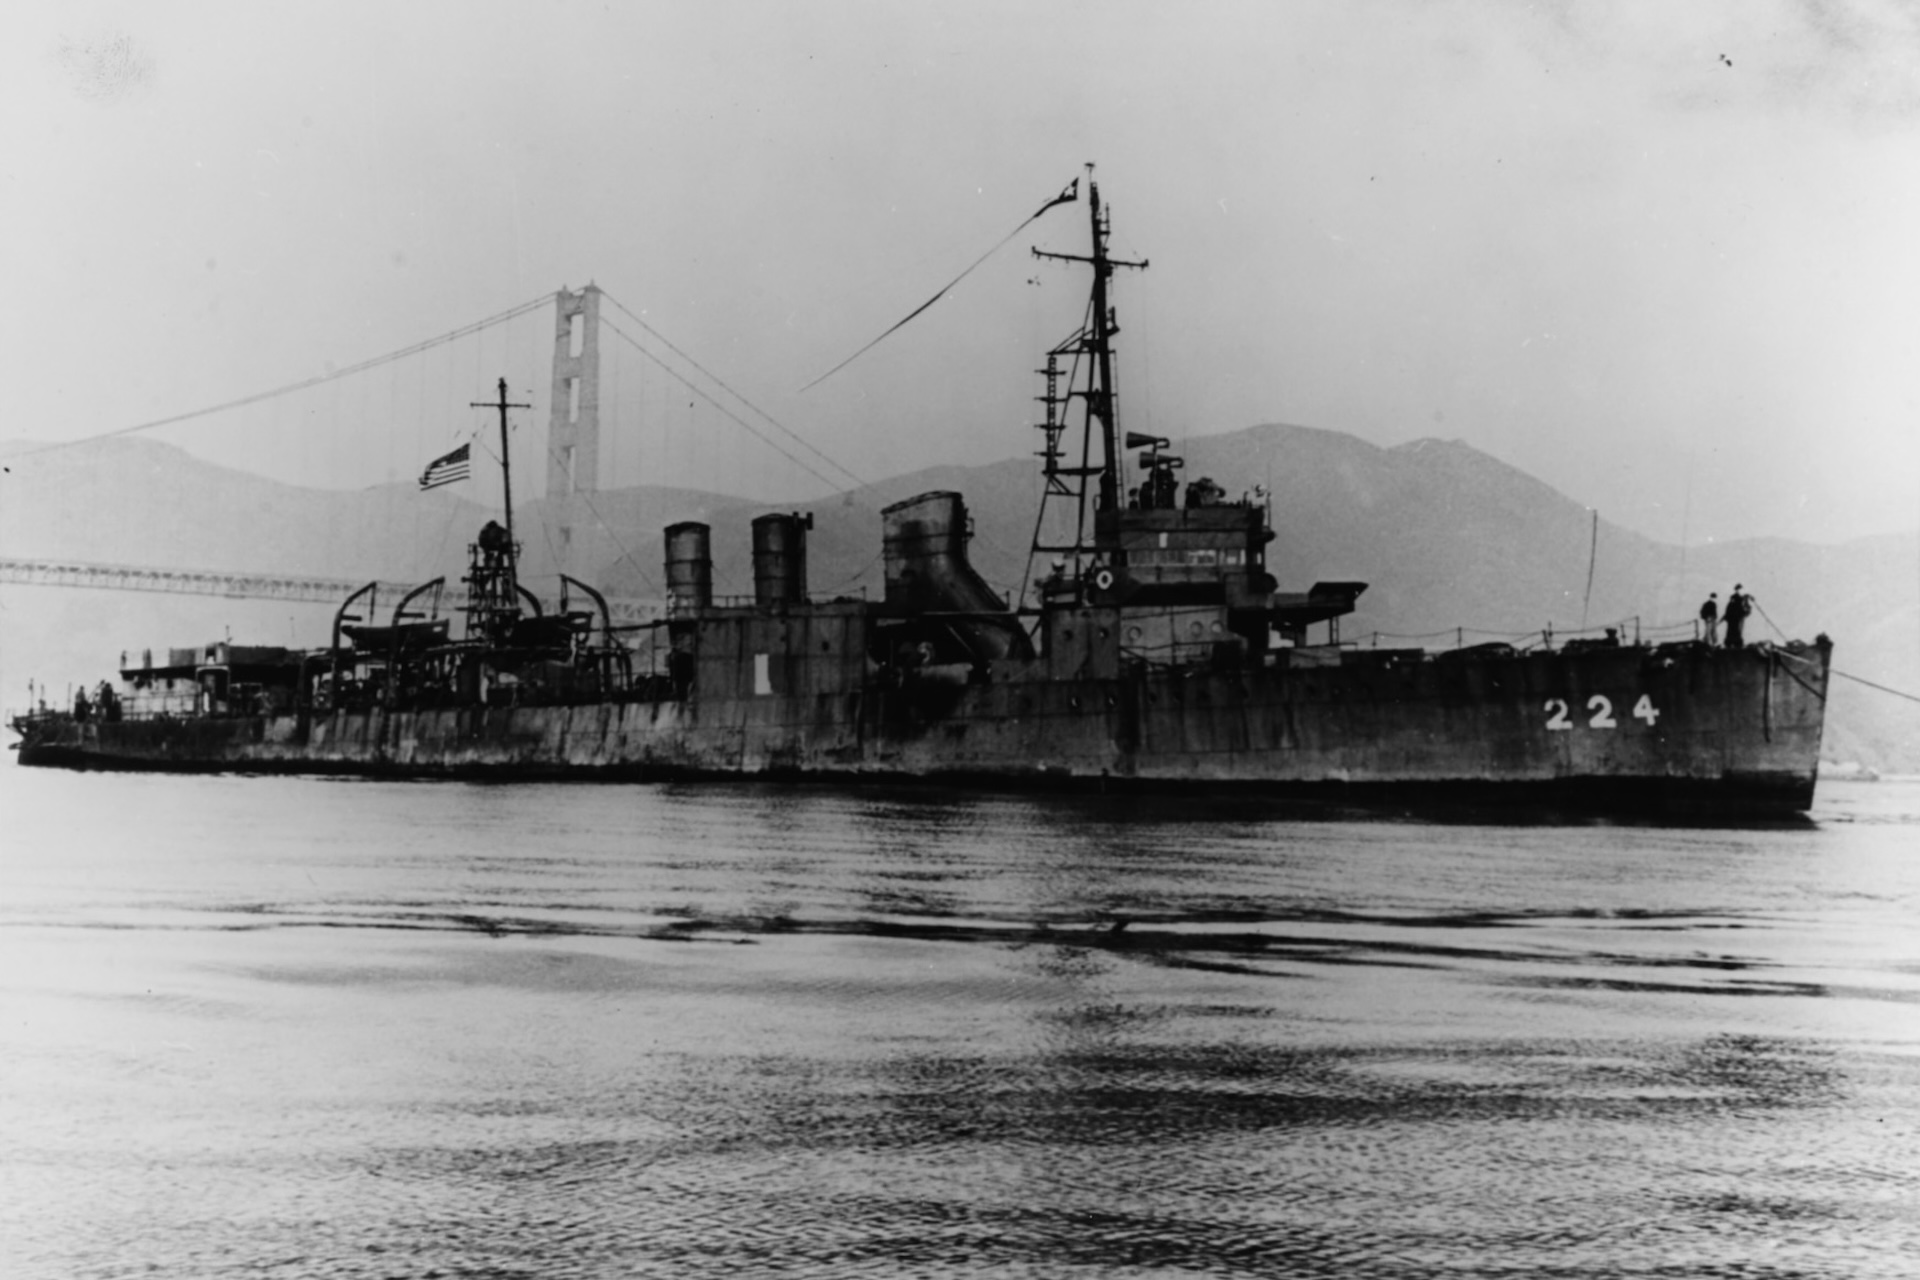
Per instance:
{"type": "Point", "coordinates": [1710, 616]}
{"type": "Point", "coordinates": [1739, 605]}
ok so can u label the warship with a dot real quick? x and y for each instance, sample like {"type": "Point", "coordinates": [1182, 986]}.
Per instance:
{"type": "Point", "coordinates": [1154, 651]}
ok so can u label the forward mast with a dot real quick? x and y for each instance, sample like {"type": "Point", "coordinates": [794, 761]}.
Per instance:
{"type": "Point", "coordinates": [1088, 377]}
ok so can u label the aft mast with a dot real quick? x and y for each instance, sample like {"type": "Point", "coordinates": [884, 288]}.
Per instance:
{"type": "Point", "coordinates": [1088, 353]}
{"type": "Point", "coordinates": [493, 579]}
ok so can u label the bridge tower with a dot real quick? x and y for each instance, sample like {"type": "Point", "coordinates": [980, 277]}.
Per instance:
{"type": "Point", "coordinates": [573, 431]}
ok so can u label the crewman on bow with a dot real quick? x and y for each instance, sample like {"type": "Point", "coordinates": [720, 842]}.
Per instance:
{"type": "Point", "coordinates": [1739, 605]}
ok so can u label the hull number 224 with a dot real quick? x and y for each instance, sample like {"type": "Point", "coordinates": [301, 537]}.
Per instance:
{"type": "Point", "coordinates": [1601, 707]}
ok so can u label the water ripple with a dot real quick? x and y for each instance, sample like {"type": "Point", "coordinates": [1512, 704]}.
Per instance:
{"type": "Point", "coordinates": [740, 1031]}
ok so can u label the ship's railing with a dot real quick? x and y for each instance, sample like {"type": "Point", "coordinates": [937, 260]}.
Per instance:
{"type": "Point", "coordinates": [50, 715]}
{"type": "Point", "coordinates": [177, 709]}
{"type": "Point", "coordinates": [1627, 631]}
{"type": "Point", "coordinates": [678, 608]}
{"type": "Point", "coordinates": [1177, 653]}
{"type": "Point", "coordinates": [175, 713]}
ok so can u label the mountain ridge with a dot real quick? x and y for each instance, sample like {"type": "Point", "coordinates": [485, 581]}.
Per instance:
{"type": "Point", "coordinates": [1455, 544]}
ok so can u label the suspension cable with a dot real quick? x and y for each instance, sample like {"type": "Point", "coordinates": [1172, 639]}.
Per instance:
{"type": "Point", "coordinates": [477, 326]}
{"type": "Point", "coordinates": [737, 419]}
{"type": "Point", "coordinates": [586, 500]}
{"type": "Point", "coordinates": [802, 441]}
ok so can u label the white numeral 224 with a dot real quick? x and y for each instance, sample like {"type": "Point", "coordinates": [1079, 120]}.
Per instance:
{"type": "Point", "coordinates": [1602, 708]}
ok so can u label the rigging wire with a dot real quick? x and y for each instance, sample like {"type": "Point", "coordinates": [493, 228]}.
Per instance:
{"type": "Point", "coordinates": [858, 574]}
{"type": "Point", "coordinates": [1871, 685]}
{"type": "Point", "coordinates": [1068, 194]}
{"type": "Point", "coordinates": [1763, 613]}
{"type": "Point", "coordinates": [1593, 555]}
{"type": "Point", "coordinates": [1834, 670]}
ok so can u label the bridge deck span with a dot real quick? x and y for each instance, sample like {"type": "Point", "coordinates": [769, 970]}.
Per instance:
{"type": "Point", "coordinates": [249, 586]}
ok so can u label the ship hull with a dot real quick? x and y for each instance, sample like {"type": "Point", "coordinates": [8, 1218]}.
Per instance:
{"type": "Point", "coordinates": [1670, 729]}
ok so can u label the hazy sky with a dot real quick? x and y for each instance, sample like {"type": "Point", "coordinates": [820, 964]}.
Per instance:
{"type": "Point", "coordinates": [1665, 257]}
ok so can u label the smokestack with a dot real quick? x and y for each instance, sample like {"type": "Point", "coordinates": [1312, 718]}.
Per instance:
{"type": "Point", "coordinates": [689, 566]}
{"type": "Point", "coordinates": [780, 559]}
{"type": "Point", "coordinates": [925, 548]}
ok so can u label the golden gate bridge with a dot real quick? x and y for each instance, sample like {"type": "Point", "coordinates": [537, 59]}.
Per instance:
{"type": "Point", "coordinates": [606, 370]}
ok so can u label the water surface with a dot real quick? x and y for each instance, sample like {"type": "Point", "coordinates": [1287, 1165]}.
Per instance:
{"type": "Point", "coordinates": [292, 1027]}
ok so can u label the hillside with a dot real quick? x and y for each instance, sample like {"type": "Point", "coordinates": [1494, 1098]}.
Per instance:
{"type": "Point", "coordinates": [1446, 536]}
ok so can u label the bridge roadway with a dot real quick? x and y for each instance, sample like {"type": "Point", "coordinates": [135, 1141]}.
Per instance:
{"type": "Point", "coordinates": [251, 586]}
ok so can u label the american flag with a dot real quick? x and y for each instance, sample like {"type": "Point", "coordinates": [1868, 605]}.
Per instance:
{"type": "Point", "coordinates": [447, 469]}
